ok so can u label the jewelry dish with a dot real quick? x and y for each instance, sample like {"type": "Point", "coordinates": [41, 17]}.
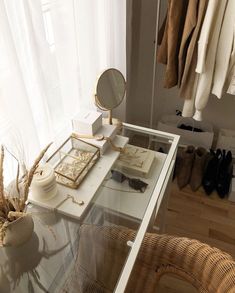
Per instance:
{"type": "Point", "coordinates": [73, 160]}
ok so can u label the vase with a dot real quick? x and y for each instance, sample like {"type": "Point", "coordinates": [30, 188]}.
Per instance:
{"type": "Point", "coordinates": [19, 231]}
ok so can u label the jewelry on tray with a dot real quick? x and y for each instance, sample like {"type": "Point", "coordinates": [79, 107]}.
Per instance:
{"type": "Point", "coordinates": [100, 137]}
{"type": "Point", "coordinates": [78, 202]}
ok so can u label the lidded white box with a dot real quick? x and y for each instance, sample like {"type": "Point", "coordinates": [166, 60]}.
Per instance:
{"type": "Point", "coordinates": [87, 122]}
{"type": "Point", "coordinates": [136, 161]}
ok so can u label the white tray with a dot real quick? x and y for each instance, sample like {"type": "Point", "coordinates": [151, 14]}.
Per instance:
{"type": "Point", "coordinates": [88, 187]}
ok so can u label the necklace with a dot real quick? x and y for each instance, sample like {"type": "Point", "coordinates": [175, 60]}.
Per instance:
{"type": "Point", "coordinates": [78, 202]}
{"type": "Point", "coordinates": [99, 137]}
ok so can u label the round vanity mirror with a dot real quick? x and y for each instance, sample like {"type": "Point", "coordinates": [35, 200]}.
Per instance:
{"type": "Point", "coordinates": [110, 90]}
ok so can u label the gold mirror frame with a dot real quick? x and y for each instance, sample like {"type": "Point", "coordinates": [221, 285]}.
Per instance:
{"type": "Point", "coordinates": [98, 103]}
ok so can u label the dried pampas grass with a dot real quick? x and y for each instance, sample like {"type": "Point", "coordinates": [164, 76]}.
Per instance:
{"type": "Point", "coordinates": [2, 196]}
{"type": "Point", "coordinates": [3, 228]}
{"type": "Point", "coordinates": [31, 172]}
{"type": "Point", "coordinates": [13, 200]}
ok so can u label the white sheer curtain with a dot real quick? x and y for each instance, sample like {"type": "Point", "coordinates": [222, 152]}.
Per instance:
{"type": "Point", "coordinates": [51, 52]}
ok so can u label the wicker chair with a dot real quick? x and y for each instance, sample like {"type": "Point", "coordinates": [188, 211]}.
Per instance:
{"type": "Point", "coordinates": [103, 250]}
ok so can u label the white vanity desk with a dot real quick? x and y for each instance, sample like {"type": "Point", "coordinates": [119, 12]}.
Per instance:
{"type": "Point", "coordinates": [141, 207]}
{"type": "Point", "coordinates": [51, 255]}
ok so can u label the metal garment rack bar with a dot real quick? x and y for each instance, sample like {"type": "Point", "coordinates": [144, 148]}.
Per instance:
{"type": "Point", "coordinates": [151, 138]}
{"type": "Point", "coordinates": [155, 64]}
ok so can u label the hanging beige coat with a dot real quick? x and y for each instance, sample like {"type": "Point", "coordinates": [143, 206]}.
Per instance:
{"type": "Point", "coordinates": [230, 81]}
{"type": "Point", "coordinates": [207, 47]}
{"type": "Point", "coordinates": [189, 25]}
{"type": "Point", "coordinates": [189, 74]}
{"type": "Point", "coordinates": [168, 50]}
{"type": "Point", "coordinates": [207, 57]}
{"type": "Point", "coordinates": [225, 52]}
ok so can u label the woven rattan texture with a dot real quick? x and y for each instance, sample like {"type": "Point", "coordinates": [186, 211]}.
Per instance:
{"type": "Point", "coordinates": [103, 250]}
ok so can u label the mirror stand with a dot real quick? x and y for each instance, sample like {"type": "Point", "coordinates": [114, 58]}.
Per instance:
{"type": "Point", "coordinates": [110, 117]}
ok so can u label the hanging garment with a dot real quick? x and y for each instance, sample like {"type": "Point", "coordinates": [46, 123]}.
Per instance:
{"type": "Point", "coordinates": [208, 32]}
{"type": "Point", "coordinates": [207, 47]}
{"type": "Point", "coordinates": [162, 41]}
{"type": "Point", "coordinates": [230, 81]}
{"type": "Point", "coordinates": [231, 87]}
{"type": "Point", "coordinates": [189, 74]}
{"type": "Point", "coordinates": [189, 104]}
{"type": "Point", "coordinates": [189, 25]}
{"type": "Point", "coordinates": [224, 51]}
{"type": "Point", "coordinates": [168, 50]}
{"type": "Point", "coordinates": [208, 64]}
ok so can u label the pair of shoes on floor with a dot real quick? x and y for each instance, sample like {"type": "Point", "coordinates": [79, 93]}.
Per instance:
{"type": "Point", "coordinates": [190, 167]}
{"type": "Point", "coordinates": [218, 173]}
{"type": "Point", "coordinates": [190, 128]}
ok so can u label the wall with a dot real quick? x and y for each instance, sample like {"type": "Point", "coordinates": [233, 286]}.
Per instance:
{"type": "Point", "coordinates": [219, 112]}
{"type": "Point", "coordinates": [141, 61]}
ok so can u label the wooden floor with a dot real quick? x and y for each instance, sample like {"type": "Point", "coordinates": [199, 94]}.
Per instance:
{"type": "Point", "coordinates": [206, 218]}
{"type": "Point", "coordinates": [198, 216]}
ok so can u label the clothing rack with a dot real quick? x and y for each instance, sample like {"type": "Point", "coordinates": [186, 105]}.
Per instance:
{"type": "Point", "coordinates": [155, 63]}
{"type": "Point", "coordinates": [152, 110]}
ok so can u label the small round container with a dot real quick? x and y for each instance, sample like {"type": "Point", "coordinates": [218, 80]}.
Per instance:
{"type": "Point", "coordinates": [44, 186]}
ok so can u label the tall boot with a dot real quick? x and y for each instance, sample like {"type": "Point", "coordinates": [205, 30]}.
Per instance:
{"type": "Point", "coordinates": [225, 175]}
{"type": "Point", "coordinates": [211, 173]}
{"type": "Point", "coordinates": [185, 168]}
{"type": "Point", "coordinates": [178, 162]}
{"type": "Point", "coordinates": [198, 168]}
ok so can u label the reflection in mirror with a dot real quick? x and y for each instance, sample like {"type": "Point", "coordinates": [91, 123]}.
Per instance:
{"type": "Point", "coordinates": [110, 90]}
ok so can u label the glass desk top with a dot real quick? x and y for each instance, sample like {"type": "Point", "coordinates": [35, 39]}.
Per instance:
{"type": "Point", "coordinates": [68, 255]}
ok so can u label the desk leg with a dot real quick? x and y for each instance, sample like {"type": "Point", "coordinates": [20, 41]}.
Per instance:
{"type": "Point", "coordinates": [157, 223]}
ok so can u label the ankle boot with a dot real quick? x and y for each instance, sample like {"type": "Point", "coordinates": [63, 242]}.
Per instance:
{"type": "Point", "coordinates": [178, 162]}
{"type": "Point", "coordinates": [185, 167]}
{"type": "Point", "coordinates": [198, 168]}
{"type": "Point", "coordinates": [211, 173]}
{"type": "Point", "coordinates": [225, 175]}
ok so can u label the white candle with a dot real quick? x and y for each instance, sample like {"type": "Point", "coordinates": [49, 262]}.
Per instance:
{"type": "Point", "coordinates": [44, 185]}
